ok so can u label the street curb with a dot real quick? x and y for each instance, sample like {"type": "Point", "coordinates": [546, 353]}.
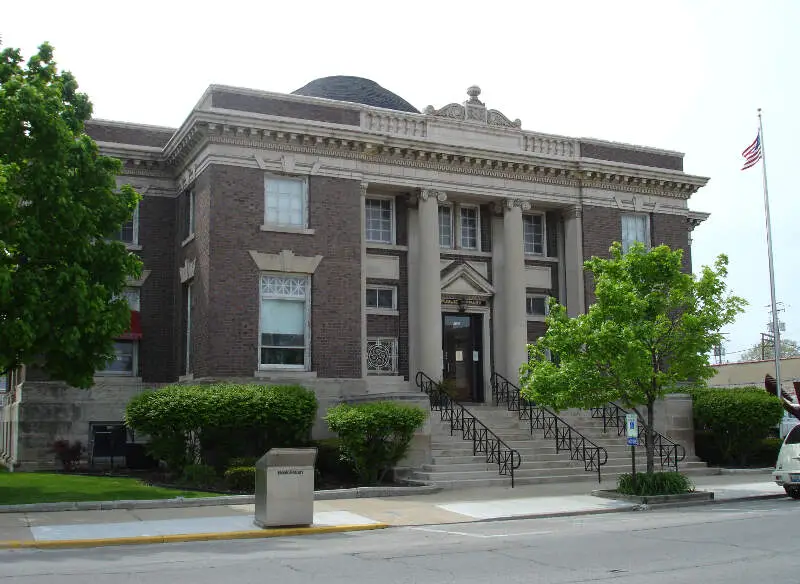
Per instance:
{"type": "Point", "coordinates": [630, 507]}
{"type": "Point", "coordinates": [181, 502]}
{"type": "Point", "coordinates": [188, 537]}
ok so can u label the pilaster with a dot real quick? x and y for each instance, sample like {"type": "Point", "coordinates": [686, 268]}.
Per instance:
{"type": "Point", "coordinates": [363, 303]}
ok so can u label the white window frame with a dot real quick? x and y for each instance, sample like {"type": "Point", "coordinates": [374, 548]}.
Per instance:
{"type": "Point", "coordinates": [460, 235]}
{"type": "Point", "coordinates": [393, 345]}
{"type": "Point", "coordinates": [135, 221]}
{"type": "Point", "coordinates": [381, 310]}
{"type": "Point", "coordinates": [306, 366]}
{"type": "Point", "coordinates": [304, 204]}
{"type": "Point", "coordinates": [646, 230]}
{"type": "Point", "coordinates": [453, 233]}
{"type": "Point", "coordinates": [392, 220]}
{"type": "Point", "coordinates": [134, 364]}
{"type": "Point", "coordinates": [133, 291]}
{"type": "Point", "coordinates": [543, 253]}
{"type": "Point", "coordinates": [537, 317]}
{"type": "Point", "coordinates": [188, 369]}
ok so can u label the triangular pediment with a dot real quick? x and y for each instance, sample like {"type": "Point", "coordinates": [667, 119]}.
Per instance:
{"type": "Point", "coordinates": [464, 280]}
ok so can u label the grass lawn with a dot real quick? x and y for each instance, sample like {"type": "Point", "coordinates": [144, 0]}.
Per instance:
{"type": "Point", "coordinates": [26, 487]}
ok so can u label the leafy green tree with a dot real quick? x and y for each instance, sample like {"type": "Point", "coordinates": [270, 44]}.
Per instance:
{"type": "Point", "coordinates": [61, 274]}
{"type": "Point", "coordinates": [789, 348]}
{"type": "Point", "coordinates": [649, 331]}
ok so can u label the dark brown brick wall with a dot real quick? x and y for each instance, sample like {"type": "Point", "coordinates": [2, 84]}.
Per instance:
{"type": "Point", "coordinates": [237, 203]}
{"type": "Point", "coordinates": [401, 220]}
{"type": "Point", "coordinates": [672, 230]}
{"type": "Point", "coordinates": [552, 221]}
{"type": "Point", "coordinates": [602, 226]}
{"type": "Point", "coordinates": [286, 108]}
{"type": "Point", "coordinates": [486, 227]}
{"type": "Point", "coordinates": [378, 323]}
{"type": "Point", "coordinates": [144, 136]}
{"type": "Point", "coordinates": [199, 250]}
{"type": "Point", "coordinates": [536, 329]}
{"type": "Point", "coordinates": [630, 156]}
{"type": "Point", "coordinates": [156, 233]}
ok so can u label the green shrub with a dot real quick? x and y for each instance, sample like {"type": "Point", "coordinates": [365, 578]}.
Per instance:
{"type": "Point", "coordinates": [332, 466]}
{"type": "Point", "coordinates": [731, 423]}
{"type": "Point", "coordinates": [655, 483]}
{"type": "Point", "coordinates": [216, 423]}
{"type": "Point", "coordinates": [244, 461]}
{"type": "Point", "coordinates": [374, 437]}
{"type": "Point", "coordinates": [241, 478]}
{"type": "Point", "coordinates": [199, 476]}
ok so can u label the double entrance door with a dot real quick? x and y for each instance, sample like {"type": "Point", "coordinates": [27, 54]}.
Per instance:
{"type": "Point", "coordinates": [462, 340]}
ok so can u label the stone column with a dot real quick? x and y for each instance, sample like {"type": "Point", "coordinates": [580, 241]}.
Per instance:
{"type": "Point", "coordinates": [428, 285]}
{"type": "Point", "coordinates": [513, 289]}
{"type": "Point", "coordinates": [573, 261]}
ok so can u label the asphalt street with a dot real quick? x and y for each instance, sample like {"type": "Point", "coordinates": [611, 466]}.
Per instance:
{"type": "Point", "coordinates": [749, 542]}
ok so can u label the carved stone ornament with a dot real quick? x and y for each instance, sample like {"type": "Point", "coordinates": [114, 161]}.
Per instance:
{"type": "Point", "coordinates": [524, 205]}
{"type": "Point", "coordinates": [285, 261]}
{"type": "Point", "coordinates": [186, 271]}
{"type": "Point", "coordinates": [426, 194]}
{"type": "Point", "coordinates": [473, 110]}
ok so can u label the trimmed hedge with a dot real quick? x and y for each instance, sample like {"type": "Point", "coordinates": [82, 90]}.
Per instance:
{"type": "Point", "coordinates": [654, 483]}
{"type": "Point", "coordinates": [375, 436]}
{"type": "Point", "coordinates": [732, 424]}
{"type": "Point", "coordinates": [212, 424]}
{"type": "Point", "coordinates": [241, 478]}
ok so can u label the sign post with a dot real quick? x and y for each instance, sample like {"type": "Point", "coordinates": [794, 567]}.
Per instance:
{"type": "Point", "coordinates": [632, 430]}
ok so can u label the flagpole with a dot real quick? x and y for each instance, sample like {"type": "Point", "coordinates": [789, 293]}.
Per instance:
{"type": "Point", "coordinates": [775, 331]}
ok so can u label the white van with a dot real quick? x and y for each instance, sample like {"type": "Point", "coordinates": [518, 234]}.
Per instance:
{"type": "Point", "coordinates": [787, 468]}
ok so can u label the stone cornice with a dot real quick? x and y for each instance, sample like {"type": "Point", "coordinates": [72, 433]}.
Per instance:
{"type": "Point", "coordinates": [288, 135]}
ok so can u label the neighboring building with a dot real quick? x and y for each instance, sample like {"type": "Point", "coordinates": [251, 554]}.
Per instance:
{"type": "Point", "coordinates": [340, 238]}
{"type": "Point", "coordinates": [743, 373]}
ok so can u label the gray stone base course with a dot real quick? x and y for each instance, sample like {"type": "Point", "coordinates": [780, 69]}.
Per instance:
{"type": "Point", "coordinates": [356, 493]}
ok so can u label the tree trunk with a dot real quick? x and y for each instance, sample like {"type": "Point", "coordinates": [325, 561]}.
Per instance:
{"type": "Point", "coordinates": [650, 437]}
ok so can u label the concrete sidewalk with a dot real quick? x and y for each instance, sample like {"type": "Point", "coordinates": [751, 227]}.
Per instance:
{"type": "Point", "coordinates": [115, 527]}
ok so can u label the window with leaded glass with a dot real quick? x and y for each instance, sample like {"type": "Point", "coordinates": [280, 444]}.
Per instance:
{"type": "Point", "coordinates": [635, 227]}
{"type": "Point", "coordinates": [283, 328]}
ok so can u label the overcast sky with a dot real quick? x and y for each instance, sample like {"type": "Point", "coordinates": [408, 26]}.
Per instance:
{"type": "Point", "coordinates": [682, 75]}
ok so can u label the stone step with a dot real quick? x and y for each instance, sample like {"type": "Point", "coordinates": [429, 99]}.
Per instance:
{"type": "Point", "coordinates": [541, 465]}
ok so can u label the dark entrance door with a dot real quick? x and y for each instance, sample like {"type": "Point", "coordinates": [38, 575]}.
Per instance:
{"type": "Point", "coordinates": [463, 356]}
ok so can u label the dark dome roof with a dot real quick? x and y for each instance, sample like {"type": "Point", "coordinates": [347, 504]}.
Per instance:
{"type": "Point", "coordinates": [355, 90]}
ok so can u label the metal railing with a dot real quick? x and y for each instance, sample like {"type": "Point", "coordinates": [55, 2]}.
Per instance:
{"type": "Point", "coordinates": [669, 453]}
{"type": "Point", "coordinates": [484, 441]}
{"type": "Point", "coordinates": [540, 418]}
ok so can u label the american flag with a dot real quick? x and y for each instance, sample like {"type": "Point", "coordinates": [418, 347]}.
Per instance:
{"type": "Point", "coordinates": [752, 153]}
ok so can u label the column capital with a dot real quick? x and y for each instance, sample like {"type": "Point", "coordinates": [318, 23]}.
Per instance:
{"type": "Point", "coordinates": [573, 212]}
{"type": "Point", "coordinates": [363, 188]}
{"type": "Point", "coordinates": [426, 194]}
{"type": "Point", "coordinates": [509, 204]}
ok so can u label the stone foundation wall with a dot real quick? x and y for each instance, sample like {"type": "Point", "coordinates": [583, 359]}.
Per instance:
{"type": "Point", "coordinates": [50, 411]}
{"type": "Point", "coordinates": [673, 418]}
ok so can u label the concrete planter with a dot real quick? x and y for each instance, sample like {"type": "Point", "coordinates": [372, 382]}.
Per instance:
{"type": "Point", "coordinates": [695, 497]}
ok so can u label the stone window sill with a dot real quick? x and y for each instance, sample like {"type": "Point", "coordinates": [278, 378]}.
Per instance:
{"type": "Point", "coordinates": [540, 258]}
{"type": "Point", "coordinates": [133, 247]}
{"type": "Point", "coordinates": [288, 229]}
{"type": "Point", "coordinates": [187, 241]}
{"type": "Point", "coordinates": [445, 251]}
{"type": "Point", "coordinates": [187, 377]}
{"type": "Point", "coordinates": [383, 311]}
{"type": "Point", "coordinates": [536, 318]}
{"type": "Point", "coordinates": [284, 374]}
{"type": "Point", "coordinates": [387, 246]}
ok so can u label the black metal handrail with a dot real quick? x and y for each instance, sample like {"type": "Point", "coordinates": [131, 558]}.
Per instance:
{"type": "Point", "coordinates": [484, 441]}
{"type": "Point", "coordinates": [540, 418]}
{"type": "Point", "coordinates": [669, 453]}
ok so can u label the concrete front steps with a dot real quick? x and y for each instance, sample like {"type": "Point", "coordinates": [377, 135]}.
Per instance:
{"type": "Point", "coordinates": [453, 464]}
